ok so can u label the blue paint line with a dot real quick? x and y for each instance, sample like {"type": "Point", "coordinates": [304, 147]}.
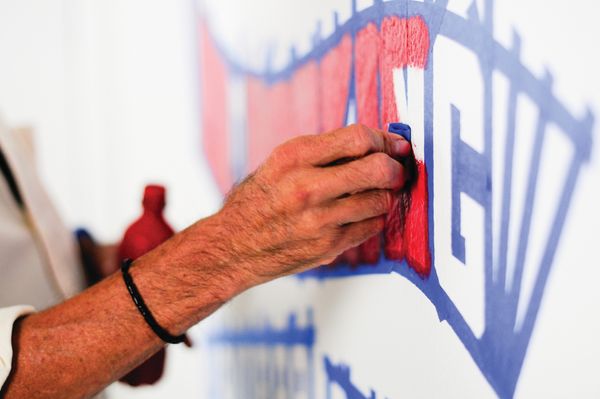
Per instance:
{"type": "Point", "coordinates": [468, 33]}
{"type": "Point", "coordinates": [500, 351]}
{"type": "Point", "coordinates": [500, 276]}
{"type": "Point", "coordinates": [267, 335]}
{"type": "Point", "coordinates": [340, 375]}
{"type": "Point", "coordinates": [266, 375]}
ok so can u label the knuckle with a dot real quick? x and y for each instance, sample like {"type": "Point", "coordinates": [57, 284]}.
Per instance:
{"type": "Point", "coordinates": [279, 151]}
{"type": "Point", "coordinates": [312, 221]}
{"type": "Point", "coordinates": [284, 154]}
{"type": "Point", "coordinates": [296, 192]}
{"type": "Point", "coordinates": [302, 197]}
{"type": "Point", "coordinates": [385, 167]}
{"type": "Point", "coordinates": [363, 138]}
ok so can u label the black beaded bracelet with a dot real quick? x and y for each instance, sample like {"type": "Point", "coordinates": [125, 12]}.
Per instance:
{"type": "Point", "coordinates": [141, 305]}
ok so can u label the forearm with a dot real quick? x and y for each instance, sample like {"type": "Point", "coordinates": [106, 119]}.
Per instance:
{"type": "Point", "coordinates": [300, 209]}
{"type": "Point", "coordinates": [78, 347]}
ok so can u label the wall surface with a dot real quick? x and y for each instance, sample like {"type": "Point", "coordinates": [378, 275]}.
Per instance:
{"type": "Point", "coordinates": [490, 291]}
{"type": "Point", "coordinates": [503, 98]}
{"type": "Point", "coordinates": [111, 91]}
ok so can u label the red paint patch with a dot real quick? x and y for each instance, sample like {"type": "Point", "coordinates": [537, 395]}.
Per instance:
{"type": "Point", "coordinates": [334, 88]}
{"type": "Point", "coordinates": [367, 46]}
{"type": "Point", "coordinates": [305, 100]}
{"type": "Point", "coordinates": [280, 111]}
{"type": "Point", "coordinates": [315, 99]}
{"type": "Point", "coordinates": [416, 238]}
{"type": "Point", "coordinates": [394, 229]}
{"type": "Point", "coordinates": [405, 42]}
{"type": "Point", "coordinates": [335, 85]}
{"type": "Point", "coordinates": [370, 250]}
{"type": "Point", "coordinates": [351, 257]}
{"type": "Point", "coordinates": [407, 228]}
{"type": "Point", "coordinates": [393, 55]}
{"type": "Point", "coordinates": [215, 118]}
{"type": "Point", "coordinates": [418, 42]}
{"type": "Point", "coordinates": [258, 123]}
{"type": "Point", "coordinates": [268, 116]}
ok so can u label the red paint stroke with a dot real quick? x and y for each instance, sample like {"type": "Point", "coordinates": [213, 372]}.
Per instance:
{"type": "Point", "coordinates": [350, 257]}
{"type": "Point", "coordinates": [418, 42]}
{"type": "Point", "coordinates": [334, 72]}
{"type": "Point", "coordinates": [416, 227]}
{"type": "Point", "coordinates": [405, 42]}
{"type": "Point", "coordinates": [277, 112]}
{"type": "Point", "coordinates": [215, 118]}
{"type": "Point", "coordinates": [257, 121]}
{"type": "Point", "coordinates": [305, 100]}
{"type": "Point", "coordinates": [315, 99]}
{"type": "Point", "coordinates": [269, 115]}
{"type": "Point", "coordinates": [393, 55]}
{"type": "Point", "coordinates": [394, 229]}
{"type": "Point", "coordinates": [407, 229]}
{"type": "Point", "coordinates": [367, 47]}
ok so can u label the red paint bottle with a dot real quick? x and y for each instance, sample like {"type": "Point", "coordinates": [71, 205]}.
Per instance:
{"type": "Point", "coordinates": [146, 233]}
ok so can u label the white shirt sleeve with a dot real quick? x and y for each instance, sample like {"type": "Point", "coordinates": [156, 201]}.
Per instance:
{"type": "Point", "coordinates": [7, 320]}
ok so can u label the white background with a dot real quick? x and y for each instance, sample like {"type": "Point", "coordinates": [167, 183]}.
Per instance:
{"type": "Point", "coordinates": [110, 88]}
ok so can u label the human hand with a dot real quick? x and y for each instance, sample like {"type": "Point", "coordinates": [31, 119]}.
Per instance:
{"type": "Point", "coordinates": [313, 198]}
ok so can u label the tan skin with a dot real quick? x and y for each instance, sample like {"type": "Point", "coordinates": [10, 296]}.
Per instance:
{"type": "Point", "coordinates": [298, 210]}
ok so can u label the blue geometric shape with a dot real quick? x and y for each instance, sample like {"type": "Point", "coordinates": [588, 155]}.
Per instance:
{"type": "Point", "coordinates": [268, 339]}
{"type": "Point", "coordinates": [500, 351]}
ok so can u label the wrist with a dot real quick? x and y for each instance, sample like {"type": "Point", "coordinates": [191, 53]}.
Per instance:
{"type": "Point", "coordinates": [188, 277]}
{"type": "Point", "coordinates": [217, 250]}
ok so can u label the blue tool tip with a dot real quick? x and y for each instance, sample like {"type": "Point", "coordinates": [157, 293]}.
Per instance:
{"type": "Point", "coordinates": [400, 128]}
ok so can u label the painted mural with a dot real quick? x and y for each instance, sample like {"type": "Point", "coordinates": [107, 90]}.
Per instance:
{"type": "Point", "coordinates": [384, 64]}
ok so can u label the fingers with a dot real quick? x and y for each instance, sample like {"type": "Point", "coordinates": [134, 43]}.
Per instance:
{"type": "Point", "coordinates": [373, 172]}
{"type": "Point", "coordinates": [358, 207]}
{"type": "Point", "coordinates": [355, 234]}
{"type": "Point", "coordinates": [350, 142]}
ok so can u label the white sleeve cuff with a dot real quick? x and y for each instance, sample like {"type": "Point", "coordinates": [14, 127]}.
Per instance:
{"type": "Point", "coordinates": [7, 319]}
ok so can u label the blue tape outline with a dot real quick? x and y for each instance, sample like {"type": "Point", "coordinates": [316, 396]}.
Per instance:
{"type": "Point", "coordinates": [290, 336]}
{"type": "Point", "coordinates": [501, 350]}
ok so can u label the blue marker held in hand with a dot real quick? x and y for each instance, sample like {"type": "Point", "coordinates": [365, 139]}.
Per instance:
{"type": "Point", "coordinates": [400, 128]}
{"type": "Point", "coordinates": [409, 162]}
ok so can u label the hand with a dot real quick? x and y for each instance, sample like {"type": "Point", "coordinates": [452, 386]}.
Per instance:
{"type": "Point", "coordinates": [313, 198]}
{"type": "Point", "coordinates": [301, 208]}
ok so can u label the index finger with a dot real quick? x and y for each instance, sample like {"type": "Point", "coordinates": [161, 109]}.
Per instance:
{"type": "Point", "coordinates": [350, 142]}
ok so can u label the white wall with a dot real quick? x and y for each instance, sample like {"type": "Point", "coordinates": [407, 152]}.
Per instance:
{"type": "Point", "coordinates": [382, 326]}
{"type": "Point", "coordinates": [110, 88]}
